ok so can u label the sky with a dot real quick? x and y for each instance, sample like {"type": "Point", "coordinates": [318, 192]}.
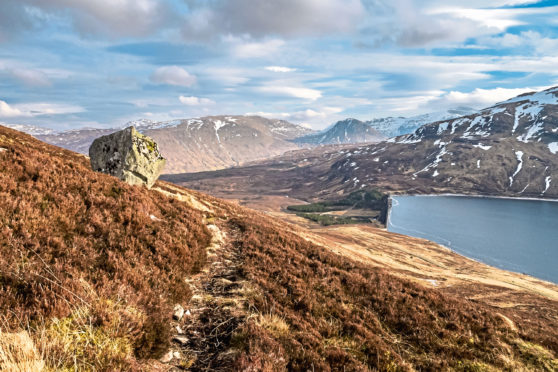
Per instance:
{"type": "Point", "coordinates": [67, 64]}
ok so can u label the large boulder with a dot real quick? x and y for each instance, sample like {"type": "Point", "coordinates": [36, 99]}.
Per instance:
{"type": "Point", "coordinates": [128, 155]}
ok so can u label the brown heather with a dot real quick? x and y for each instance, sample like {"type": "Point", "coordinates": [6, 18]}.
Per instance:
{"type": "Point", "coordinates": [73, 241]}
{"type": "Point", "coordinates": [92, 277]}
{"type": "Point", "coordinates": [345, 316]}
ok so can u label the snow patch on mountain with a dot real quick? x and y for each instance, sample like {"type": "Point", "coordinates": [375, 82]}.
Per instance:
{"type": "Point", "coordinates": [519, 156]}
{"type": "Point", "coordinates": [30, 129]}
{"type": "Point", "coordinates": [547, 184]}
{"type": "Point", "coordinates": [482, 147]}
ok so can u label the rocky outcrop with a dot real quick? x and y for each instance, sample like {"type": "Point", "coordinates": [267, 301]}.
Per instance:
{"type": "Point", "coordinates": [128, 155]}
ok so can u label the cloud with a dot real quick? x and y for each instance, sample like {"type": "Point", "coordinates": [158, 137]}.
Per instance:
{"type": "Point", "coordinates": [288, 18]}
{"type": "Point", "coordinates": [256, 49]}
{"type": "Point", "coordinates": [30, 77]}
{"type": "Point", "coordinates": [478, 98]}
{"type": "Point", "coordinates": [195, 101]}
{"type": "Point", "coordinates": [310, 117]}
{"type": "Point", "coordinates": [37, 109]}
{"type": "Point", "coordinates": [173, 75]}
{"type": "Point", "coordinates": [431, 23]}
{"type": "Point", "coordinates": [6, 111]}
{"type": "Point", "coordinates": [228, 76]}
{"type": "Point", "coordinates": [112, 18]}
{"type": "Point", "coordinates": [526, 42]}
{"type": "Point", "coordinates": [280, 69]}
{"type": "Point", "coordinates": [297, 92]}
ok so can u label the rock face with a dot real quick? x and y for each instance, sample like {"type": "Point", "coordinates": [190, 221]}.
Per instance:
{"type": "Point", "coordinates": [128, 155]}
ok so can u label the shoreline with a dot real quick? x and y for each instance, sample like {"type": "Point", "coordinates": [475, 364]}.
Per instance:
{"type": "Point", "coordinates": [480, 196]}
{"type": "Point", "coordinates": [459, 253]}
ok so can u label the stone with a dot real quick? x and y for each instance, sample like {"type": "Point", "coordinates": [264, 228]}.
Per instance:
{"type": "Point", "coordinates": [128, 155]}
{"type": "Point", "coordinates": [178, 312]}
{"type": "Point", "coordinates": [182, 340]}
{"type": "Point", "coordinates": [167, 357]}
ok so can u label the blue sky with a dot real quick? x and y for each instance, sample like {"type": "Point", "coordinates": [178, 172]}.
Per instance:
{"type": "Point", "coordinates": [67, 64]}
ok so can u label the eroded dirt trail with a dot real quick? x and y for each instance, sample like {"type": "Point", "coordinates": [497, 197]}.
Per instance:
{"type": "Point", "coordinates": [202, 336]}
{"type": "Point", "coordinates": [202, 330]}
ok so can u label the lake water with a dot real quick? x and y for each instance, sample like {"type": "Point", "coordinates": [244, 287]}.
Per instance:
{"type": "Point", "coordinates": [515, 235]}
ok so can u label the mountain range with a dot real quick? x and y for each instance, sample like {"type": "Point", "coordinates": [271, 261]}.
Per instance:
{"type": "Point", "coordinates": [206, 143]}
{"type": "Point", "coordinates": [509, 149]}
{"type": "Point", "coordinates": [344, 131]}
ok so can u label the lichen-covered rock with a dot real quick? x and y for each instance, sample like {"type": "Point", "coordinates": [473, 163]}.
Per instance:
{"type": "Point", "coordinates": [128, 155]}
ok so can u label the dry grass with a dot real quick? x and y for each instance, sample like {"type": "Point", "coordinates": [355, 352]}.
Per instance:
{"type": "Point", "coordinates": [73, 241]}
{"type": "Point", "coordinates": [19, 354]}
{"type": "Point", "coordinates": [343, 315]}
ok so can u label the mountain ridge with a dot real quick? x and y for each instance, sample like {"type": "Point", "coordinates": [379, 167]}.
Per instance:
{"type": "Point", "coordinates": [212, 142]}
{"type": "Point", "coordinates": [508, 149]}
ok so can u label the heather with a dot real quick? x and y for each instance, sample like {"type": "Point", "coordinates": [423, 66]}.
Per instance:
{"type": "Point", "coordinates": [82, 249]}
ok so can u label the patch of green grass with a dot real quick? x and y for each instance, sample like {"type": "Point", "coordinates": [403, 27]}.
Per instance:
{"type": "Point", "coordinates": [328, 219]}
{"type": "Point", "coordinates": [363, 199]}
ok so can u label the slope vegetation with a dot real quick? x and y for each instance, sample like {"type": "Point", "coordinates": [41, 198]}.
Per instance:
{"type": "Point", "coordinates": [91, 268]}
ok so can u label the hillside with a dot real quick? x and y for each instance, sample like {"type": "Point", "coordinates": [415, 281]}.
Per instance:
{"type": "Point", "coordinates": [509, 149]}
{"type": "Point", "coordinates": [91, 270]}
{"type": "Point", "coordinates": [206, 143]}
{"type": "Point", "coordinates": [345, 131]}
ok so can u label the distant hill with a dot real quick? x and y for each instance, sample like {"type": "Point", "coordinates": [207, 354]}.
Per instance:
{"type": "Point", "coordinates": [345, 131]}
{"type": "Point", "coordinates": [200, 144]}
{"type": "Point", "coordinates": [509, 149]}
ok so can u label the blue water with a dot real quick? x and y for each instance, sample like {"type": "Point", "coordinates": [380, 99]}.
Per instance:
{"type": "Point", "coordinates": [515, 235]}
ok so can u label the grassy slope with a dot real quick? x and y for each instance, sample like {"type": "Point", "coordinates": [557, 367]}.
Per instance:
{"type": "Point", "coordinates": [84, 247]}
{"type": "Point", "coordinates": [83, 265]}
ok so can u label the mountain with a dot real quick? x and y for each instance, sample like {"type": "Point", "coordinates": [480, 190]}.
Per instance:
{"type": "Point", "coordinates": [206, 143]}
{"type": "Point", "coordinates": [509, 149]}
{"type": "Point", "coordinates": [375, 130]}
{"type": "Point", "coordinates": [345, 131]}
{"type": "Point", "coordinates": [397, 126]}
{"type": "Point", "coordinates": [100, 275]}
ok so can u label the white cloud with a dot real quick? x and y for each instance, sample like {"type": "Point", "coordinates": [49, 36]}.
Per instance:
{"type": "Point", "coordinates": [173, 75]}
{"type": "Point", "coordinates": [37, 109]}
{"type": "Point", "coordinates": [6, 111]}
{"type": "Point", "coordinates": [529, 41]}
{"type": "Point", "coordinates": [310, 117]}
{"type": "Point", "coordinates": [280, 69]}
{"type": "Point", "coordinates": [195, 101]}
{"type": "Point", "coordinates": [257, 49]}
{"type": "Point", "coordinates": [30, 77]}
{"type": "Point", "coordinates": [228, 76]}
{"type": "Point", "coordinates": [432, 23]}
{"type": "Point", "coordinates": [478, 98]}
{"type": "Point", "coordinates": [297, 92]}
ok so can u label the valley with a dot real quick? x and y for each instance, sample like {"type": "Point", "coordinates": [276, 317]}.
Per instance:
{"type": "Point", "coordinates": [505, 150]}
{"type": "Point", "coordinates": [254, 281]}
